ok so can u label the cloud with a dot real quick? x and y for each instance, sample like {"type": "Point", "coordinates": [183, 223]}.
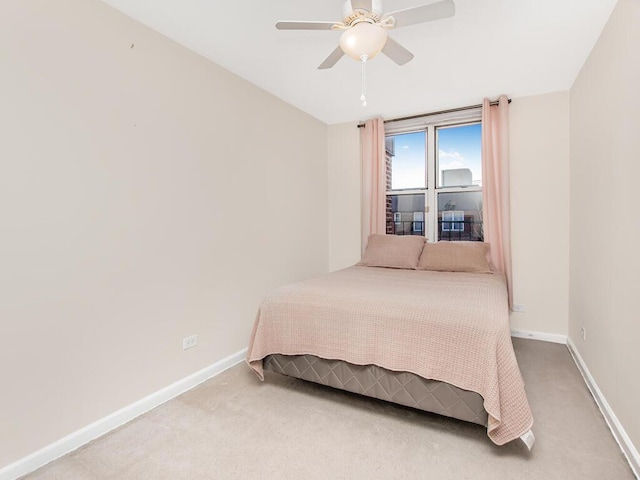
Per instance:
{"type": "Point", "coordinates": [451, 159]}
{"type": "Point", "coordinates": [406, 147]}
{"type": "Point", "coordinates": [451, 154]}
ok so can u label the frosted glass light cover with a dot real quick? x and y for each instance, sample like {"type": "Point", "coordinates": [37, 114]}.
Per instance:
{"type": "Point", "coordinates": [363, 39]}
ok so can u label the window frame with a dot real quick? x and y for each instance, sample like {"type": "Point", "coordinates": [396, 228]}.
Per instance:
{"type": "Point", "coordinates": [429, 125]}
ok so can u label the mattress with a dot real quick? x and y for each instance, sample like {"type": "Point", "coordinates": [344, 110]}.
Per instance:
{"type": "Point", "coordinates": [445, 326]}
{"type": "Point", "coordinates": [402, 388]}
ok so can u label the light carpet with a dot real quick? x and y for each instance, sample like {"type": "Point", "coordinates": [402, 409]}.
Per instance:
{"type": "Point", "coordinates": [234, 426]}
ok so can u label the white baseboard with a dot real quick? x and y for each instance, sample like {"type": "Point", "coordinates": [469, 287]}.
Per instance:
{"type": "Point", "coordinates": [545, 337]}
{"type": "Point", "coordinates": [90, 432]}
{"type": "Point", "coordinates": [625, 443]}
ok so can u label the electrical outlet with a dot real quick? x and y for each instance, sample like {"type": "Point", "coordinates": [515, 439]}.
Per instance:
{"type": "Point", "coordinates": [583, 333]}
{"type": "Point", "coordinates": [190, 342]}
{"type": "Point", "coordinates": [518, 307]}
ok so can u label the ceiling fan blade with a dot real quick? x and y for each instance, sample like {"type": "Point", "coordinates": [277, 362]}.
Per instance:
{"type": "Point", "coordinates": [332, 59]}
{"type": "Point", "coordinates": [423, 13]}
{"type": "Point", "coordinates": [396, 52]}
{"type": "Point", "coordinates": [305, 25]}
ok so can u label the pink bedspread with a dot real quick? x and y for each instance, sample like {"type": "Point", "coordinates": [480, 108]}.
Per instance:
{"type": "Point", "coordinates": [451, 327]}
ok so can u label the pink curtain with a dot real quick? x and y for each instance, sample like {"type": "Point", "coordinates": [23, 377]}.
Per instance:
{"type": "Point", "coordinates": [495, 188]}
{"type": "Point", "coordinates": [372, 156]}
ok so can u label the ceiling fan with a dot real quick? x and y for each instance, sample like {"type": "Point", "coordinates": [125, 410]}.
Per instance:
{"type": "Point", "coordinates": [365, 26]}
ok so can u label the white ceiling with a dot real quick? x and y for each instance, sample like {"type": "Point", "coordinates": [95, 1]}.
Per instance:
{"type": "Point", "coordinates": [490, 47]}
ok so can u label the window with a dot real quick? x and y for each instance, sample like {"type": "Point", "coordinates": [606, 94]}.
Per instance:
{"type": "Point", "coordinates": [453, 221]}
{"type": "Point", "coordinates": [434, 178]}
{"type": "Point", "coordinates": [418, 222]}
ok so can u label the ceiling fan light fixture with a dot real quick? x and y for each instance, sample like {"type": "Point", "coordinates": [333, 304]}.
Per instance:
{"type": "Point", "coordinates": [363, 40]}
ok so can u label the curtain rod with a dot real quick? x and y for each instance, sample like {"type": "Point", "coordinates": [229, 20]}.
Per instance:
{"type": "Point", "coordinates": [451, 110]}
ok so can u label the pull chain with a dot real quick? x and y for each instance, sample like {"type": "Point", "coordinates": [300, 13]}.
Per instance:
{"type": "Point", "coordinates": [364, 59]}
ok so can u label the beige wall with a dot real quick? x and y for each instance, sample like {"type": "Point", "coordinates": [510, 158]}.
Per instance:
{"type": "Point", "coordinates": [539, 167]}
{"type": "Point", "coordinates": [145, 195]}
{"type": "Point", "coordinates": [605, 170]}
{"type": "Point", "coordinates": [539, 147]}
{"type": "Point", "coordinates": [344, 195]}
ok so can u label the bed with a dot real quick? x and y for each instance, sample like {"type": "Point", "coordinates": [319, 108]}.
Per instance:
{"type": "Point", "coordinates": [437, 341]}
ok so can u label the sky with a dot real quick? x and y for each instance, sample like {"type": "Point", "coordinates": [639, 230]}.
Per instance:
{"type": "Point", "coordinates": [458, 147]}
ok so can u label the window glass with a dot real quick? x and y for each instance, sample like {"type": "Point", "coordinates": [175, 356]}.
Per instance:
{"type": "Point", "coordinates": [460, 216]}
{"type": "Point", "coordinates": [407, 155]}
{"type": "Point", "coordinates": [459, 155]}
{"type": "Point", "coordinates": [405, 214]}
{"type": "Point", "coordinates": [434, 179]}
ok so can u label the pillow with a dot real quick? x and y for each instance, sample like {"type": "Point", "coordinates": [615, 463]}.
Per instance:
{"type": "Point", "coordinates": [393, 251]}
{"type": "Point", "coordinates": [455, 257]}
